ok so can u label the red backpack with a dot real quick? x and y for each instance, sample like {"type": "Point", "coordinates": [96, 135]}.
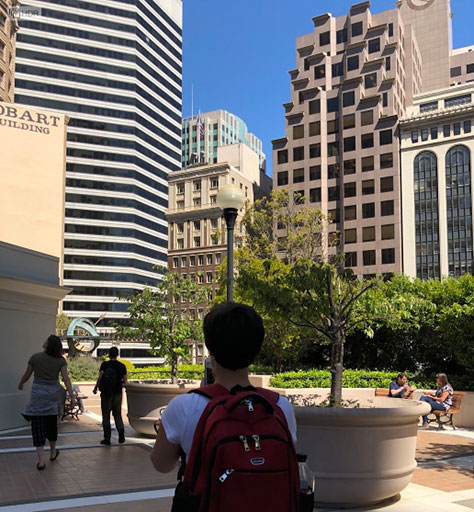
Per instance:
{"type": "Point", "coordinates": [242, 457]}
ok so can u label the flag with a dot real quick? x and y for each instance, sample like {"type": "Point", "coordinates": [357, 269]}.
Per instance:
{"type": "Point", "coordinates": [200, 126]}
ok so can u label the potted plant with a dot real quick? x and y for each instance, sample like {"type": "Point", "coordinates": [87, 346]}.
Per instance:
{"type": "Point", "coordinates": [156, 316]}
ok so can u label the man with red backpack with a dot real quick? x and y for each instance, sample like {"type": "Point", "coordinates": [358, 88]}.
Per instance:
{"type": "Point", "coordinates": [236, 442]}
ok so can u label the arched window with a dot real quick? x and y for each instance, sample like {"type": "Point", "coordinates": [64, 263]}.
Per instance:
{"type": "Point", "coordinates": [425, 173]}
{"type": "Point", "coordinates": [459, 210]}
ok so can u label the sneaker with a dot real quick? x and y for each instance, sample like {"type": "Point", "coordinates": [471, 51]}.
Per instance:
{"type": "Point", "coordinates": [105, 442]}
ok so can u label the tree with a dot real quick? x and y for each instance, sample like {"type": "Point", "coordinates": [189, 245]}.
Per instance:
{"type": "Point", "coordinates": [62, 322]}
{"type": "Point", "coordinates": [155, 316]}
{"type": "Point", "coordinates": [319, 298]}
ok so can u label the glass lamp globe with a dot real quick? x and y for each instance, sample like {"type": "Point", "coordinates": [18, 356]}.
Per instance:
{"type": "Point", "coordinates": [229, 196]}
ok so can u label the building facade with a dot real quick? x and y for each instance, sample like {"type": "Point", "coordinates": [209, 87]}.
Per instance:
{"type": "Point", "coordinates": [204, 133]}
{"type": "Point", "coordinates": [355, 78]}
{"type": "Point", "coordinates": [115, 70]}
{"type": "Point", "coordinates": [8, 29]}
{"type": "Point", "coordinates": [437, 141]}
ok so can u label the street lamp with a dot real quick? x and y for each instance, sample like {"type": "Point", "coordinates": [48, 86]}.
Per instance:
{"type": "Point", "coordinates": [230, 199]}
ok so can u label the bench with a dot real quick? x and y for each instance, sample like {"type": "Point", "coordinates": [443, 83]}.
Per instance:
{"type": "Point", "coordinates": [446, 417]}
{"type": "Point", "coordinates": [385, 392]}
{"type": "Point", "coordinates": [73, 411]}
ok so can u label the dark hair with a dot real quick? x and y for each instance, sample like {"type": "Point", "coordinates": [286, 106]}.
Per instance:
{"type": "Point", "coordinates": [401, 375]}
{"type": "Point", "coordinates": [54, 347]}
{"type": "Point", "coordinates": [234, 334]}
{"type": "Point", "coordinates": [113, 353]}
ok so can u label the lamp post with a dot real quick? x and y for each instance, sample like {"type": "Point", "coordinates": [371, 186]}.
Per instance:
{"type": "Point", "coordinates": [230, 200]}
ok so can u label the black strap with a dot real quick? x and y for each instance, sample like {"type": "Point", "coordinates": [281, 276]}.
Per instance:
{"type": "Point", "coordinates": [241, 389]}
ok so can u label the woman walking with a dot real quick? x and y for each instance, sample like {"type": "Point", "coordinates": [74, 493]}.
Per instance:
{"type": "Point", "coordinates": [47, 396]}
{"type": "Point", "coordinates": [442, 400]}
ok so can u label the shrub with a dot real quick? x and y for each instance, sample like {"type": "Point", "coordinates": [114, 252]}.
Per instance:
{"type": "Point", "coordinates": [185, 371]}
{"type": "Point", "coordinates": [350, 379]}
{"type": "Point", "coordinates": [83, 368]}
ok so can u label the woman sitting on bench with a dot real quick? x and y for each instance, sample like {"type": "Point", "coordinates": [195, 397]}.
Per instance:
{"type": "Point", "coordinates": [442, 400]}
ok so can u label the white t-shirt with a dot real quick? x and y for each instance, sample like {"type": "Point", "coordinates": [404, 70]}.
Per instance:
{"type": "Point", "coordinates": [182, 415]}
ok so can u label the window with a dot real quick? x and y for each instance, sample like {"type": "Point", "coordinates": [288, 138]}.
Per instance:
{"type": "Point", "coordinates": [368, 210]}
{"type": "Point", "coordinates": [201, 260]}
{"type": "Point", "coordinates": [180, 243]}
{"type": "Point", "coordinates": [200, 278]}
{"type": "Point", "coordinates": [447, 130]}
{"type": "Point", "coordinates": [349, 144]}
{"type": "Point", "coordinates": [367, 117]}
{"type": "Point", "coordinates": [350, 212]}
{"type": "Point", "coordinates": [209, 259]}
{"type": "Point", "coordinates": [341, 36]}
{"type": "Point", "coordinates": [467, 126]}
{"type": "Point", "coordinates": [390, 30]}
{"type": "Point", "coordinates": [385, 137]}
{"type": "Point", "coordinates": [298, 197]}
{"type": "Point", "coordinates": [369, 258]}
{"type": "Point", "coordinates": [315, 172]}
{"type": "Point", "coordinates": [320, 71]}
{"type": "Point", "coordinates": [388, 63]}
{"type": "Point", "coordinates": [457, 100]}
{"type": "Point", "coordinates": [356, 29]}
{"type": "Point", "coordinates": [388, 256]}
{"type": "Point", "coordinates": [387, 208]}
{"type": "Point", "coordinates": [282, 178]}
{"type": "Point", "coordinates": [214, 223]}
{"type": "Point", "coordinates": [434, 133]}
{"type": "Point", "coordinates": [368, 234]}
{"type": "Point", "coordinates": [197, 201]}
{"type": "Point", "coordinates": [337, 69]}
{"type": "Point", "coordinates": [349, 121]}
{"type": "Point", "coordinates": [324, 38]}
{"type": "Point", "coordinates": [367, 163]}
{"type": "Point", "coordinates": [429, 107]}
{"type": "Point", "coordinates": [368, 187]}
{"type": "Point", "coordinates": [184, 261]}
{"type": "Point", "coordinates": [414, 137]}
{"type": "Point", "coordinates": [209, 277]}
{"type": "Point", "coordinates": [350, 189]}
{"type": "Point", "coordinates": [386, 160]}
{"type": "Point", "coordinates": [349, 167]}
{"type": "Point", "coordinates": [197, 241]}
{"type": "Point", "coordinates": [367, 140]}
{"type": "Point", "coordinates": [314, 151]}
{"type": "Point", "coordinates": [371, 80]}
{"type": "Point", "coordinates": [333, 171]}
{"type": "Point", "coordinates": [333, 149]}
{"type": "Point", "coordinates": [282, 156]}
{"type": "Point", "coordinates": [385, 99]}
{"type": "Point", "coordinates": [298, 176]}
{"type": "Point", "coordinates": [350, 236]}
{"type": "Point", "coordinates": [315, 195]}
{"type": "Point", "coordinates": [314, 107]}
{"type": "Point", "coordinates": [388, 232]}
{"type": "Point", "coordinates": [333, 193]}
{"type": "Point", "coordinates": [353, 63]}
{"type": "Point", "coordinates": [386, 184]}
{"type": "Point", "coordinates": [456, 128]}
{"type": "Point", "coordinates": [218, 259]}
{"type": "Point", "coordinates": [351, 259]}
{"type": "Point", "coordinates": [374, 45]}
{"type": "Point", "coordinates": [455, 71]}
{"type": "Point", "coordinates": [213, 199]}
{"type": "Point", "coordinates": [175, 262]}
{"type": "Point", "coordinates": [197, 225]}
{"type": "Point", "coordinates": [348, 99]}
{"type": "Point", "coordinates": [298, 131]}
{"type": "Point", "coordinates": [180, 188]}
{"type": "Point", "coordinates": [470, 68]}
{"type": "Point", "coordinates": [197, 186]}
{"type": "Point", "coordinates": [314, 129]}
{"type": "Point", "coordinates": [214, 182]}
{"type": "Point", "coordinates": [333, 126]}
{"type": "Point", "coordinates": [180, 227]}
{"type": "Point", "coordinates": [298, 154]}
{"type": "Point", "coordinates": [180, 205]}
{"type": "Point", "coordinates": [333, 104]}
{"type": "Point", "coordinates": [424, 134]}
{"type": "Point", "coordinates": [192, 261]}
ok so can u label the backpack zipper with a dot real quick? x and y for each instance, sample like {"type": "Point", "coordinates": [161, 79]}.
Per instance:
{"type": "Point", "coordinates": [257, 442]}
{"type": "Point", "coordinates": [245, 443]}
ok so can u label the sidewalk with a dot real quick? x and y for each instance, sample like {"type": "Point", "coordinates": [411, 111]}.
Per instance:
{"type": "Point", "coordinates": [89, 477]}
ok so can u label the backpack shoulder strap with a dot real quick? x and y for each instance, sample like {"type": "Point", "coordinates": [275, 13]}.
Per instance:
{"type": "Point", "coordinates": [271, 396]}
{"type": "Point", "coordinates": [212, 391]}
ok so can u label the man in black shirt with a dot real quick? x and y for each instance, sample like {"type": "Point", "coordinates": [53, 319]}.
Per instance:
{"type": "Point", "coordinates": [112, 376]}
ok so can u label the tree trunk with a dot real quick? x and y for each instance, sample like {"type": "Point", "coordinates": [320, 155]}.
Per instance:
{"type": "Point", "coordinates": [174, 369]}
{"type": "Point", "coordinates": [337, 367]}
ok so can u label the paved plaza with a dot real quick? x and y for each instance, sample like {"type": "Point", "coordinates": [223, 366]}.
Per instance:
{"type": "Point", "coordinates": [92, 478]}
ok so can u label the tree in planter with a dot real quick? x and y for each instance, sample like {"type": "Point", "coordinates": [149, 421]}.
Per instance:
{"type": "Point", "coordinates": [319, 298]}
{"type": "Point", "coordinates": [155, 316]}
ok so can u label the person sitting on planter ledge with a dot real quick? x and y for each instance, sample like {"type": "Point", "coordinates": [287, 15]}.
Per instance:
{"type": "Point", "coordinates": [399, 387]}
{"type": "Point", "coordinates": [230, 422]}
{"type": "Point", "coordinates": [442, 400]}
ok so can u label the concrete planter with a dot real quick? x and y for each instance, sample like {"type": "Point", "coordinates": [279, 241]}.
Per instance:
{"type": "Point", "coordinates": [360, 456]}
{"type": "Point", "coordinates": [144, 401]}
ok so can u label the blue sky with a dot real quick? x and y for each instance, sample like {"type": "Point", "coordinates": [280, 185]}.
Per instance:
{"type": "Point", "coordinates": [237, 53]}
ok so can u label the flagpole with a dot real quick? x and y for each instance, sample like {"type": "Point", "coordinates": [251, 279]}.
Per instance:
{"type": "Point", "coordinates": [192, 102]}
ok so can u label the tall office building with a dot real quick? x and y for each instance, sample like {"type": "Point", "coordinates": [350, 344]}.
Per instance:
{"type": "Point", "coordinates": [355, 78]}
{"type": "Point", "coordinates": [115, 70]}
{"type": "Point", "coordinates": [211, 130]}
{"type": "Point", "coordinates": [8, 28]}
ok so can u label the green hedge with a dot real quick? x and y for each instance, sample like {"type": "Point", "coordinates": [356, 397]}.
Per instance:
{"type": "Point", "coordinates": [83, 369]}
{"type": "Point", "coordinates": [350, 379]}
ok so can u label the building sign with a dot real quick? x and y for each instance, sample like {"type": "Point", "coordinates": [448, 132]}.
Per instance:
{"type": "Point", "coordinates": [28, 120]}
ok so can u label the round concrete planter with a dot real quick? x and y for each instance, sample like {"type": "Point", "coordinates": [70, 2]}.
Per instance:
{"type": "Point", "coordinates": [360, 456]}
{"type": "Point", "coordinates": [144, 401]}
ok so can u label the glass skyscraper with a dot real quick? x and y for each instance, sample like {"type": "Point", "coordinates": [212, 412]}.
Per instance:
{"type": "Point", "coordinates": [115, 70]}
